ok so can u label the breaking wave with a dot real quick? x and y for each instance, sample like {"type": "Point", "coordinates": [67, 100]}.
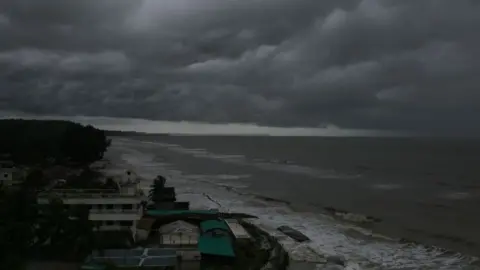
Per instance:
{"type": "Point", "coordinates": [329, 235]}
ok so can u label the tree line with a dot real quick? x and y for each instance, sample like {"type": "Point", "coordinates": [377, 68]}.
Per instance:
{"type": "Point", "coordinates": [37, 141]}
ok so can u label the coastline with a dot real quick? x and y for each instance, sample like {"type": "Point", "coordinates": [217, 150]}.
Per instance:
{"type": "Point", "coordinates": [285, 252]}
{"type": "Point", "coordinates": [330, 236]}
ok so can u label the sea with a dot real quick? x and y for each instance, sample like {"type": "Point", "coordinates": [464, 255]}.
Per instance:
{"type": "Point", "coordinates": [380, 203]}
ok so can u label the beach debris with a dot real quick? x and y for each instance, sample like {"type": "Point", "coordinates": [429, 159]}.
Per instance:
{"type": "Point", "coordinates": [296, 235]}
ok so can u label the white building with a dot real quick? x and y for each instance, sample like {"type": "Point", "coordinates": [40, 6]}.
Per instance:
{"type": "Point", "coordinates": [182, 236]}
{"type": "Point", "coordinates": [110, 209]}
{"type": "Point", "coordinates": [179, 233]}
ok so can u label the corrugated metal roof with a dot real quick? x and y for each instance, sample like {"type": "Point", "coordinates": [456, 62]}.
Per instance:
{"type": "Point", "coordinates": [216, 245]}
{"type": "Point", "coordinates": [214, 224]}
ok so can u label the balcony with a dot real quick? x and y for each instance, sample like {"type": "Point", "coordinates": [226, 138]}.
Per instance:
{"type": "Point", "coordinates": [87, 193]}
{"type": "Point", "coordinates": [115, 215]}
{"type": "Point", "coordinates": [114, 211]}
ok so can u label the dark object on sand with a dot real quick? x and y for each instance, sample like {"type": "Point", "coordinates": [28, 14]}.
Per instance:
{"type": "Point", "coordinates": [338, 260]}
{"type": "Point", "coordinates": [296, 235]}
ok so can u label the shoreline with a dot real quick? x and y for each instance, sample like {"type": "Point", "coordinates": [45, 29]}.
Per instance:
{"type": "Point", "coordinates": [150, 158]}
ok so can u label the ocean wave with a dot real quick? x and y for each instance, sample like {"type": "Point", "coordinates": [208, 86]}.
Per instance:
{"type": "Point", "coordinates": [328, 235]}
{"type": "Point", "coordinates": [286, 166]}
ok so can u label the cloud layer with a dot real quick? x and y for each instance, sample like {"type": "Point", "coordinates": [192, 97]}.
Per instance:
{"type": "Point", "coordinates": [370, 64]}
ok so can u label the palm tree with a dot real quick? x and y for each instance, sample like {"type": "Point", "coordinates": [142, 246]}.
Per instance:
{"type": "Point", "coordinates": [157, 186]}
{"type": "Point", "coordinates": [159, 193]}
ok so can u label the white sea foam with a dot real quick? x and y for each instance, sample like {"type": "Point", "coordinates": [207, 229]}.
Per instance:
{"type": "Point", "coordinates": [329, 237]}
{"type": "Point", "coordinates": [457, 195]}
{"type": "Point", "coordinates": [269, 165]}
{"type": "Point", "coordinates": [386, 186]}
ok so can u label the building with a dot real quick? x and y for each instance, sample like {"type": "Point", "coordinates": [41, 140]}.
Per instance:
{"type": "Point", "coordinates": [215, 242]}
{"type": "Point", "coordinates": [179, 233]}
{"type": "Point", "coordinates": [129, 177]}
{"type": "Point", "coordinates": [182, 236]}
{"type": "Point", "coordinates": [150, 258]}
{"type": "Point", "coordinates": [111, 209]}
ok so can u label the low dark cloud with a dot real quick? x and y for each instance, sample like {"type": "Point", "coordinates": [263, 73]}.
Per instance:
{"type": "Point", "coordinates": [376, 64]}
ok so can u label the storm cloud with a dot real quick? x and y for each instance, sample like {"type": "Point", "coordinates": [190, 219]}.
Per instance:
{"type": "Point", "coordinates": [370, 64]}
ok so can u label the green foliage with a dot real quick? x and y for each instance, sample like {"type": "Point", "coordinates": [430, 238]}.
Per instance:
{"type": "Point", "coordinates": [16, 227]}
{"type": "Point", "coordinates": [35, 180]}
{"type": "Point", "coordinates": [63, 230]}
{"type": "Point", "coordinates": [28, 229]}
{"type": "Point", "coordinates": [159, 193]}
{"type": "Point", "coordinates": [33, 141]}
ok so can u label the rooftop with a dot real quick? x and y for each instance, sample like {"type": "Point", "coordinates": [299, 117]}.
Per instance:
{"type": "Point", "coordinates": [90, 188]}
{"type": "Point", "coordinates": [214, 224]}
{"type": "Point", "coordinates": [216, 245]}
{"type": "Point", "coordinates": [237, 229]}
{"type": "Point", "coordinates": [87, 193]}
{"type": "Point", "coordinates": [150, 257]}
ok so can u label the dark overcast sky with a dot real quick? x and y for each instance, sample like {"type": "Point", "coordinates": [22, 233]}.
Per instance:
{"type": "Point", "coordinates": [372, 64]}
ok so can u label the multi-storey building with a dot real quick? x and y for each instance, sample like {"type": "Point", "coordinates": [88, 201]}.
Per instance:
{"type": "Point", "coordinates": [110, 209]}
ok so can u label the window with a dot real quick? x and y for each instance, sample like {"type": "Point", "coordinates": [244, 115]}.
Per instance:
{"type": "Point", "coordinates": [109, 206]}
{"type": "Point", "coordinates": [110, 223]}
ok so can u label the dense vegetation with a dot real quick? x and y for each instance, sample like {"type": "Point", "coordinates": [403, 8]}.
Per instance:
{"type": "Point", "coordinates": [159, 193]}
{"type": "Point", "coordinates": [30, 230]}
{"type": "Point", "coordinates": [36, 142]}
{"type": "Point", "coordinates": [52, 230]}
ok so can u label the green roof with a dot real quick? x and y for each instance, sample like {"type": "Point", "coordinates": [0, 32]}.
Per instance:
{"type": "Point", "coordinates": [214, 224]}
{"type": "Point", "coordinates": [180, 212]}
{"type": "Point", "coordinates": [216, 245]}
